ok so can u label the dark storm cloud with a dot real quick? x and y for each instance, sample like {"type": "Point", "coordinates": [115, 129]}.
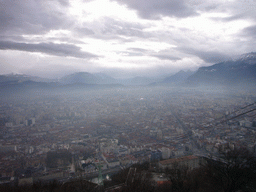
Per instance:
{"type": "Point", "coordinates": [32, 16]}
{"type": "Point", "coordinates": [207, 56]}
{"type": "Point", "coordinates": [48, 48]}
{"type": "Point", "coordinates": [152, 9]}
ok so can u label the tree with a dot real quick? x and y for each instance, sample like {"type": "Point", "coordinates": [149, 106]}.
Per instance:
{"type": "Point", "coordinates": [141, 182]}
{"type": "Point", "coordinates": [235, 170]}
{"type": "Point", "coordinates": [180, 178]}
{"type": "Point", "coordinates": [61, 157]}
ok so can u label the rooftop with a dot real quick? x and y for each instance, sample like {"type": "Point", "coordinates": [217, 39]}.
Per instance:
{"type": "Point", "coordinates": [173, 160]}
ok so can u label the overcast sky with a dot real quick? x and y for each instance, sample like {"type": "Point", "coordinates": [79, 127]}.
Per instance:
{"type": "Point", "coordinates": [124, 38]}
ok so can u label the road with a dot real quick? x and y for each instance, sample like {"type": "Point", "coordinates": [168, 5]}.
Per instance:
{"type": "Point", "coordinates": [195, 149]}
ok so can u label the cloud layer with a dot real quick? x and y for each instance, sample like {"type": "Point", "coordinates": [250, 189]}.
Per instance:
{"type": "Point", "coordinates": [48, 48]}
{"type": "Point", "coordinates": [146, 37]}
{"type": "Point", "coordinates": [152, 9]}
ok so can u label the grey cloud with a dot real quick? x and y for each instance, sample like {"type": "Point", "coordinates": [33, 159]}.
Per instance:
{"type": "Point", "coordinates": [212, 57]}
{"type": "Point", "coordinates": [109, 28]}
{"type": "Point", "coordinates": [234, 17]}
{"type": "Point", "coordinates": [210, 8]}
{"type": "Point", "coordinates": [167, 54]}
{"type": "Point", "coordinates": [11, 38]}
{"type": "Point", "coordinates": [64, 2]}
{"type": "Point", "coordinates": [130, 53]}
{"type": "Point", "coordinates": [230, 18]}
{"type": "Point", "coordinates": [69, 40]}
{"type": "Point", "coordinates": [135, 52]}
{"type": "Point", "coordinates": [48, 48]}
{"type": "Point", "coordinates": [84, 31]}
{"type": "Point", "coordinates": [249, 31]}
{"type": "Point", "coordinates": [238, 10]}
{"type": "Point", "coordinates": [138, 50]}
{"type": "Point", "coordinates": [152, 9]}
{"type": "Point", "coordinates": [207, 56]}
{"type": "Point", "coordinates": [19, 38]}
{"type": "Point", "coordinates": [162, 55]}
{"type": "Point", "coordinates": [165, 57]}
{"type": "Point", "coordinates": [248, 35]}
{"type": "Point", "coordinates": [32, 17]}
{"type": "Point", "coordinates": [112, 26]}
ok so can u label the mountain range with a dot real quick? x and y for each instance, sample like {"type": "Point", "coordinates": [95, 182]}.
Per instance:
{"type": "Point", "coordinates": [237, 72]}
{"type": "Point", "coordinates": [174, 80]}
{"type": "Point", "coordinates": [87, 78]}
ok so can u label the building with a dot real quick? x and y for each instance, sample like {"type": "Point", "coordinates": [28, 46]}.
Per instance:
{"type": "Point", "coordinates": [155, 155]}
{"type": "Point", "coordinates": [190, 162]}
{"type": "Point", "coordinates": [113, 162]}
{"type": "Point", "coordinates": [166, 152]}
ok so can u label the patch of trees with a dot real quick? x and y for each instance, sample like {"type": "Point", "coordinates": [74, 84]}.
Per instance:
{"type": "Point", "coordinates": [88, 153]}
{"type": "Point", "coordinates": [78, 185]}
{"type": "Point", "coordinates": [58, 158]}
{"type": "Point", "coordinates": [235, 170]}
{"type": "Point", "coordinates": [36, 187]}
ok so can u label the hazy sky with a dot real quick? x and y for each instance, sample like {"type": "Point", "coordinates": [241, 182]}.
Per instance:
{"type": "Point", "coordinates": [51, 38]}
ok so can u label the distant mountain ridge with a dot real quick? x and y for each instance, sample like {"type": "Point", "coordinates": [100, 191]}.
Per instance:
{"type": "Point", "coordinates": [137, 81]}
{"type": "Point", "coordinates": [239, 72]}
{"type": "Point", "coordinates": [174, 80]}
{"type": "Point", "coordinates": [179, 77]}
{"type": "Point", "coordinates": [21, 78]}
{"type": "Point", "coordinates": [80, 77]}
{"type": "Point", "coordinates": [87, 78]}
{"type": "Point", "coordinates": [250, 58]}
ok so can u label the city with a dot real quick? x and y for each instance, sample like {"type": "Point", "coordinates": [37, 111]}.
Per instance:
{"type": "Point", "coordinates": [127, 95]}
{"type": "Point", "coordinates": [58, 136]}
